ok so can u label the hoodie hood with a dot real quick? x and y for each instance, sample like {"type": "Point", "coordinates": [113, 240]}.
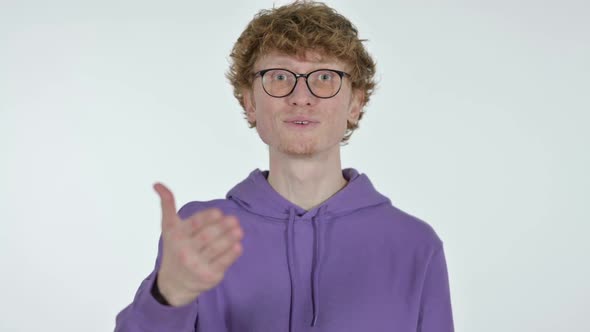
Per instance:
{"type": "Point", "coordinates": [255, 195]}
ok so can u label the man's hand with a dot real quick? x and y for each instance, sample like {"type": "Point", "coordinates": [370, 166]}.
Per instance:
{"type": "Point", "coordinates": [196, 251]}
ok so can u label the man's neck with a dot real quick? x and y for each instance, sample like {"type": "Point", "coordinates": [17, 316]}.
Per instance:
{"type": "Point", "coordinates": [306, 182]}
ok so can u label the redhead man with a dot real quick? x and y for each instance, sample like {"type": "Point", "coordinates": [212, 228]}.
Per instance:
{"type": "Point", "coordinates": [304, 245]}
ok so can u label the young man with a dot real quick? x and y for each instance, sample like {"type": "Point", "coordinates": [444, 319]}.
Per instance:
{"type": "Point", "coordinates": [306, 245]}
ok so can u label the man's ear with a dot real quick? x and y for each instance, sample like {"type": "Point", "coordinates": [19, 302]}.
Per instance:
{"type": "Point", "coordinates": [249, 105]}
{"type": "Point", "coordinates": [357, 102]}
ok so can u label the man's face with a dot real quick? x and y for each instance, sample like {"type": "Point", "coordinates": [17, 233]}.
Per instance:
{"type": "Point", "coordinates": [274, 116]}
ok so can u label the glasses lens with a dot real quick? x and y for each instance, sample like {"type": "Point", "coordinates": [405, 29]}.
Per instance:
{"type": "Point", "coordinates": [278, 83]}
{"type": "Point", "coordinates": [324, 83]}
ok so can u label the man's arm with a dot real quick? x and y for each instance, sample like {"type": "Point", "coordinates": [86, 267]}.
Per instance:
{"type": "Point", "coordinates": [146, 313]}
{"type": "Point", "coordinates": [435, 305]}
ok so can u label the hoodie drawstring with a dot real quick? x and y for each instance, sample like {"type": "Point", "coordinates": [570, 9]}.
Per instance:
{"type": "Point", "coordinates": [291, 263]}
{"type": "Point", "coordinates": [315, 290]}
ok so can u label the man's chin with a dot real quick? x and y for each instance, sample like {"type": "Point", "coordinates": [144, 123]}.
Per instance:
{"type": "Point", "coordinates": [299, 150]}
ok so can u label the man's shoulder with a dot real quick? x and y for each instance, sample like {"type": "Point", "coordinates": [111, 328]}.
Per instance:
{"type": "Point", "coordinates": [411, 227]}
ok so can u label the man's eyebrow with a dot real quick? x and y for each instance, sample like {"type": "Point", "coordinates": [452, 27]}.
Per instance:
{"type": "Point", "coordinates": [316, 65]}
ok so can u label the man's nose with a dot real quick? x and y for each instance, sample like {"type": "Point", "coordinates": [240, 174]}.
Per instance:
{"type": "Point", "coordinates": [301, 94]}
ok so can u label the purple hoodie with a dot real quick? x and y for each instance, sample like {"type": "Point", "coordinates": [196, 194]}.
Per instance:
{"type": "Point", "coordinates": [354, 263]}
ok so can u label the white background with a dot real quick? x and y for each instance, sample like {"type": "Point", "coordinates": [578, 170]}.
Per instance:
{"type": "Point", "coordinates": [479, 127]}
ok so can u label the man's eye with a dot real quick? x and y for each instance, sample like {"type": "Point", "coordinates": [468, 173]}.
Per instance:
{"type": "Point", "coordinates": [280, 76]}
{"type": "Point", "coordinates": [325, 77]}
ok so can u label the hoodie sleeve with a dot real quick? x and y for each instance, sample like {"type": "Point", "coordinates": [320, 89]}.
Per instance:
{"type": "Point", "coordinates": [435, 305]}
{"type": "Point", "coordinates": [146, 314]}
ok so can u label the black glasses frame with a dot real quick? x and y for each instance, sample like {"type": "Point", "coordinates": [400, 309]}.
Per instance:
{"type": "Point", "coordinates": [297, 76]}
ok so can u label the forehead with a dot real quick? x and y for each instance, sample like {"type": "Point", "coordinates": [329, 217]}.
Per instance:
{"type": "Point", "coordinates": [303, 62]}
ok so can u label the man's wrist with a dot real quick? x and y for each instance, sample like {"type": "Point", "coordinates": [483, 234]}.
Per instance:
{"type": "Point", "coordinates": [157, 295]}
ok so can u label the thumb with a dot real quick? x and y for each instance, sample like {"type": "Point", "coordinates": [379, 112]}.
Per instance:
{"type": "Point", "coordinates": [169, 216]}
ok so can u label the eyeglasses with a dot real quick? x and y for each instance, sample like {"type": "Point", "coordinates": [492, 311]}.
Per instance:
{"type": "Point", "coordinates": [322, 83]}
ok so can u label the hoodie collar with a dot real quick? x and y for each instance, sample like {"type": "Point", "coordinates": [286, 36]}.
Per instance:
{"type": "Point", "coordinates": [257, 196]}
